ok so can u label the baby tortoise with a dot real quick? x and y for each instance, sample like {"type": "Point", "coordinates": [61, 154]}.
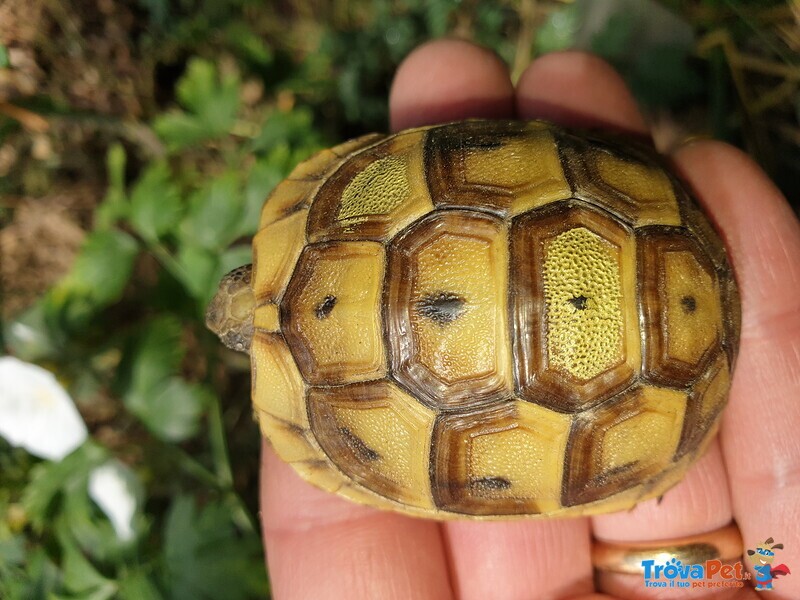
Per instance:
{"type": "Point", "coordinates": [485, 319]}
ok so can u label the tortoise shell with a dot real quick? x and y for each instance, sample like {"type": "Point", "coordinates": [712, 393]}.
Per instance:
{"type": "Point", "coordinates": [490, 318]}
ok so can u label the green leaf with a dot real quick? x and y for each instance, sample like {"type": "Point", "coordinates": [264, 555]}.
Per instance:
{"type": "Point", "coordinates": [172, 410]}
{"type": "Point", "coordinates": [80, 520]}
{"type": "Point", "coordinates": [49, 479]}
{"type": "Point", "coordinates": [263, 178]}
{"type": "Point", "coordinates": [207, 558]}
{"type": "Point", "coordinates": [167, 405]}
{"type": "Point", "coordinates": [250, 45]}
{"type": "Point", "coordinates": [101, 269]}
{"type": "Point", "coordinates": [199, 268]}
{"type": "Point", "coordinates": [114, 206]}
{"type": "Point", "coordinates": [438, 15]}
{"type": "Point", "coordinates": [115, 165]}
{"type": "Point", "coordinates": [211, 100]}
{"type": "Point", "coordinates": [155, 203]}
{"type": "Point", "coordinates": [234, 257]}
{"type": "Point", "coordinates": [137, 585]}
{"type": "Point", "coordinates": [80, 576]}
{"type": "Point", "coordinates": [214, 214]}
{"type": "Point", "coordinates": [180, 130]}
{"type": "Point", "coordinates": [154, 356]}
{"type": "Point", "coordinates": [613, 42]}
{"type": "Point", "coordinates": [559, 29]}
{"type": "Point", "coordinates": [29, 336]}
{"type": "Point", "coordinates": [4, 64]}
{"type": "Point", "coordinates": [105, 592]}
{"type": "Point", "coordinates": [42, 577]}
{"type": "Point", "coordinates": [294, 129]}
{"type": "Point", "coordinates": [198, 84]}
{"type": "Point", "coordinates": [12, 552]}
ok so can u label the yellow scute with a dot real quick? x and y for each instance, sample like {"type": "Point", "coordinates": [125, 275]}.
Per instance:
{"type": "Point", "coordinates": [474, 344]}
{"type": "Point", "coordinates": [649, 436]}
{"type": "Point", "coordinates": [583, 297]}
{"type": "Point", "coordinates": [276, 249]}
{"type": "Point", "coordinates": [693, 307]}
{"type": "Point", "coordinates": [529, 455]}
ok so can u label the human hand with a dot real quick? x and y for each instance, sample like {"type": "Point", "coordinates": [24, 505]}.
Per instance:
{"type": "Point", "coordinates": [320, 546]}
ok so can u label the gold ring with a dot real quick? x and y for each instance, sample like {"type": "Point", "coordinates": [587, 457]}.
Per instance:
{"type": "Point", "coordinates": [724, 544]}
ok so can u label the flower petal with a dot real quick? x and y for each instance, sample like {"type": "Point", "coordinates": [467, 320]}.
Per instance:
{"type": "Point", "coordinates": [36, 412]}
{"type": "Point", "coordinates": [111, 486]}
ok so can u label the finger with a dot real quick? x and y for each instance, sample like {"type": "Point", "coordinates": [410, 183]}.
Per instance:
{"type": "Point", "coordinates": [512, 559]}
{"type": "Point", "coordinates": [581, 90]}
{"type": "Point", "coordinates": [699, 503]}
{"type": "Point", "coordinates": [448, 80]}
{"type": "Point", "coordinates": [551, 557]}
{"type": "Point", "coordinates": [321, 546]}
{"type": "Point", "coordinates": [760, 440]}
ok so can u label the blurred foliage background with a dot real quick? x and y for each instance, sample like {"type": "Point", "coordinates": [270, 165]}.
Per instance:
{"type": "Point", "coordinates": [137, 143]}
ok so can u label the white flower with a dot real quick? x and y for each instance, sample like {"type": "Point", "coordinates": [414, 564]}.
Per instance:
{"type": "Point", "coordinates": [111, 486]}
{"type": "Point", "coordinates": [36, 413]}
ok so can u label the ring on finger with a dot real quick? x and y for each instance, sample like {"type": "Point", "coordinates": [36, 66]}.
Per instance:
{"type": "Point", "coordinates": [723, 544]}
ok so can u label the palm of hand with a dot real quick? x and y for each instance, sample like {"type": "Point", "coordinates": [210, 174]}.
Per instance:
{"type": "Point", "coordinates": [320, 546]}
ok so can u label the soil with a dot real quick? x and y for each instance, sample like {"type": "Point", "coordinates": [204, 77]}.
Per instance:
{"type": "Point", "coordinates": [39, 245]}
{"type": "Point", "coordinates": [78, 55]}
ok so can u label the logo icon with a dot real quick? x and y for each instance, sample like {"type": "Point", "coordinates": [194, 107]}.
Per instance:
{"type": "Point", "coordinates": [762, 558]}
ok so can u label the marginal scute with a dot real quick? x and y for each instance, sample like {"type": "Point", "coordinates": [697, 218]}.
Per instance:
{"type": "Point", "coordinates": [625, 180]}
{"type": "Point", "coordinates": [623, 442]}
{"type": "Point", "coordinates": [700, 227]}
{"type": "Point", "coordinates": [507, 459]}
{"type": "Point", "coordinates": [462, 356]}
{"type": "Point", "coordinates": [706, 402]}
{"type": "Point", "coordinates": [317, 167]}
{"type": "Point", "coordinates": [288, 198]}
{"type": "Point", "coordinates": [680, 306]}
{"type": "Point", "coordinates": [573, 302]}
{"type": "Point", "coordinates": [374, 194]}
{"type": "Point", "coordinates": [276, 386]}
{"type": "Point", "coordinates": [276, 381]}
{"type": "Point", "coordinates": [731, 313]}
{"type": "Point", "coordinates": [276, 249]}
{"type": "Point", "coordinates": [503, 167]}
{"type": "Point", "coordinates": [378, 435]}
{"type": "Point", "coordinates": [350, 147]}
{"type": "Point", "coordinates": [267, 317]}
{"type": "Point", "coordinates": [346, 345]}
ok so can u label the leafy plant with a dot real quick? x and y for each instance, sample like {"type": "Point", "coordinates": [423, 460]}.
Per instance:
{"type": "Point", "coordinates": [197, 109]}
{"type": "Point", "coordinates": [188, 228]}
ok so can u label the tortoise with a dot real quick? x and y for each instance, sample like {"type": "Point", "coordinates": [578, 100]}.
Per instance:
{"type": "Point", "coordinates": [485, 319]}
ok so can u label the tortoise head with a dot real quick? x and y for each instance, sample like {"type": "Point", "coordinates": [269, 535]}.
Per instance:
{"type": "Point", "coordinates": [230, 312]}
